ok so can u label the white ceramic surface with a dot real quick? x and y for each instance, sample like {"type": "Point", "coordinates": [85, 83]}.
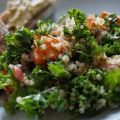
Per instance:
{"type": "Point", "coordinates": [90, 7]}
{"type": "Point", "coordinates": [107, 115]}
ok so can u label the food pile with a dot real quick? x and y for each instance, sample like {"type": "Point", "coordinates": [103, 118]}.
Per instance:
{"type": "Point", "coordinates": [25, 12]}
{"type": "Point", "coordinates": [70, 66]}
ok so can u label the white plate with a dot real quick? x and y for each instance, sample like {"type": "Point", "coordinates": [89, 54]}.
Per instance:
{"type": "Point", "coordinates": [107, 115]}
{"type": "Point", "coordinates": [90, 7]}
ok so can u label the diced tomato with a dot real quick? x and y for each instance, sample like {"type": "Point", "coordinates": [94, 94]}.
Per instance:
{"type": "Point", "coordinates": [112, 66]}
{"type": "Point", "coordinates": [9, 89]}
{"type": "Point", "coordinates": [104, 14]}
{"type": "Point", "coordinates": [37, 37]}
{"type": "Point", "coordinates": [118, 21]}
{"type": "Point", "coordinates": [3, 72]}
{"type": "Point", "coordinates": [90, 21]}
{"type": "Point", "coordinates": [18, 73]}
{"type": "Point", "coordinates": [41, 56]}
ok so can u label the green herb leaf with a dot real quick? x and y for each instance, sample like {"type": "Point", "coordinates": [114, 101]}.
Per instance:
{"type": "Point", "coordinates": [58, 70]}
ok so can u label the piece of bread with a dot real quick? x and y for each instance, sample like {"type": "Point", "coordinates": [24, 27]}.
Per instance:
{"type": "Point", "coordinates": [20, 13]}
{"type": "Point", "coordinates": [3, 31]}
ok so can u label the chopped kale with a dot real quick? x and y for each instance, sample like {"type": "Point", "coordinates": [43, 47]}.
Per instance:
{"type": "Point", "coordinates": [84, 84]}
{"type": "Point", "coordinates": [35, 105]}
{"type": "Point", "coordinates": [58, 70]}
{"type": "Point", "coordinates": [81, 30]}
{"type": "Point", "coordinates": [40, 77]}
{"type": "Point", "coordinates": [44, 27]}
{"type": "Point", "coordinates": [18, 43]}
{"type": "Point", "coordinates": [84, 94]}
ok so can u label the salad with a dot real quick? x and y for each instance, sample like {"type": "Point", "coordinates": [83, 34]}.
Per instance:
{"type": "Point", "coordinates": [70, 66]}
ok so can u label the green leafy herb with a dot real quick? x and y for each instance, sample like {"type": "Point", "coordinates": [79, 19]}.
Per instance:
{"type": "Point", "coordinates": [80, 31]}
{"type": "Point", "coordinates": [85, 93]}
{"type": "Point", "coordinates": [112, 79]}
{"type": "Point", "coordinates": [40, 77]}
{"type": "Point", "coordinates": [35, 105]}
{"type": "Point", "coordinates": [44, 27]}
{"type": "Point", "coordinates": [6, 80]}
{"type": "Point", "coordinates": [18, 43]}
{"type": "Point", "coordinates": [58, 70]}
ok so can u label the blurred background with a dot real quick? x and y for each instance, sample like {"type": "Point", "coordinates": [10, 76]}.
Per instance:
{"type": "Point", "coordinates": [88, 6]}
